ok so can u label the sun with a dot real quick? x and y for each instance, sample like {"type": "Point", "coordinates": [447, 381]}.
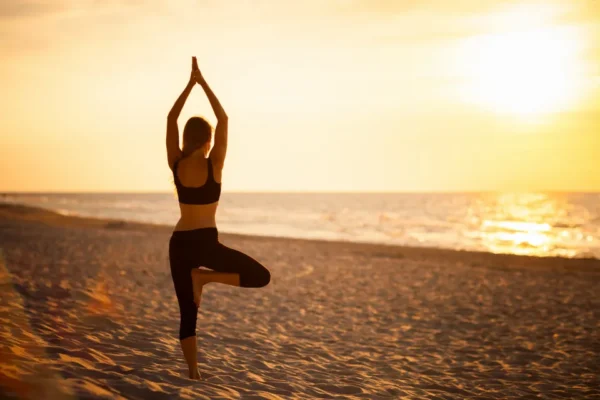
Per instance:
{"type": "Point", "coordinates": [522, 73]}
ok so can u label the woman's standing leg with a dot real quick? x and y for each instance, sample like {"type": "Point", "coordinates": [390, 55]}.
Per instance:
{"type": "Point", "coordinates": [181, 265]}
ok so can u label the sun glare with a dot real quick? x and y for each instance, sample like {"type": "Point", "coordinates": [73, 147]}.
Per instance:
{"type": "Point", "coordinates": [523, 73]}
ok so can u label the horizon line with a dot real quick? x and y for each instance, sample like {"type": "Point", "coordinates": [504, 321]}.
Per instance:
{"type": "Point", "coordinates": [2, 193]}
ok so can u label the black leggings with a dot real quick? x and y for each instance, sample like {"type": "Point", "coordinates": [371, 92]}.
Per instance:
{"type": "Point", "coordinates": [201, 248]}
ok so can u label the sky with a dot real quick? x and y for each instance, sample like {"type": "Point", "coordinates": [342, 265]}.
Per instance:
{"type": "Point", "coordinates": [356, 95]}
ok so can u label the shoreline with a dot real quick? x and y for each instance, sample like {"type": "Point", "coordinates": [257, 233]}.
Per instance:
{"type": "Point", "coordinates": [401, 222]}
{"type": "Point", "coordinates": [32, 214]}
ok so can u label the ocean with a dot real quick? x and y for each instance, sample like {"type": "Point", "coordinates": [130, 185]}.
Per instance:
{"type": "Point", "coordinates": [540, 224]}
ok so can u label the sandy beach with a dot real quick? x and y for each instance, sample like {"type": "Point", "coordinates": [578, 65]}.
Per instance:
{"type": "Point", "coordinates": [88, 310]}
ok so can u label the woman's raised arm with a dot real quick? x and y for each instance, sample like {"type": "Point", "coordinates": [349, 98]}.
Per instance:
{"type": "Point", "coordinates": [217, 154]}
{"type": "Point", "coordinates": [173, 149]}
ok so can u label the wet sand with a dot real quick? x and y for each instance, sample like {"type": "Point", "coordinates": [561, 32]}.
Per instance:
{"type": "Point", "coordinates": [88, 310]}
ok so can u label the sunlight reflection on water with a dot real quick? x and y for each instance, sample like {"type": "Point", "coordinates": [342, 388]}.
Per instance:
{"type": "Point", "coordinates": [530, 224]}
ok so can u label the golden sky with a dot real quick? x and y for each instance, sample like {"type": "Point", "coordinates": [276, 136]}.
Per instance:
{"type": "Point", "coordinates": [363, 95]}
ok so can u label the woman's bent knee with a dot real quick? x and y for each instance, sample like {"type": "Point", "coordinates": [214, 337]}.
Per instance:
{"type": "Point", "coordinates": [256, 280]}
{"type": "Point", "coordinates": [267, 278]}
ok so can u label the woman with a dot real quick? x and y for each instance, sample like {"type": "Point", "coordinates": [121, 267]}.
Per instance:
{"type": "Point", "coordinates": [194, 242]}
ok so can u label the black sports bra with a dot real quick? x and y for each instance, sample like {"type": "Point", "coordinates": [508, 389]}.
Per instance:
{"type": "Point", "coordinates": [208, 193]}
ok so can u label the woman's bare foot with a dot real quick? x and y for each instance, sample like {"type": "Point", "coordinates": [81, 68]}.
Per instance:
{"type": "Point", "coordinates": [201, 277]}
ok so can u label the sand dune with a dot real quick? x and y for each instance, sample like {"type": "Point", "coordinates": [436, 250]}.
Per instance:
{"type": "Point", "coordinates": [88, 310]}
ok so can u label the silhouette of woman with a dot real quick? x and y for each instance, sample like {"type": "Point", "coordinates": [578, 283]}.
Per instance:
{"type": "Point", "coordinates": [194, 243]}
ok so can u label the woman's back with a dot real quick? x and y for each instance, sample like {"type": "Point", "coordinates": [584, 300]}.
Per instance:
{"type": "Point", "coordinates": [198, 185]}
{"type": "Point", "coordinates": [193, 171]}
